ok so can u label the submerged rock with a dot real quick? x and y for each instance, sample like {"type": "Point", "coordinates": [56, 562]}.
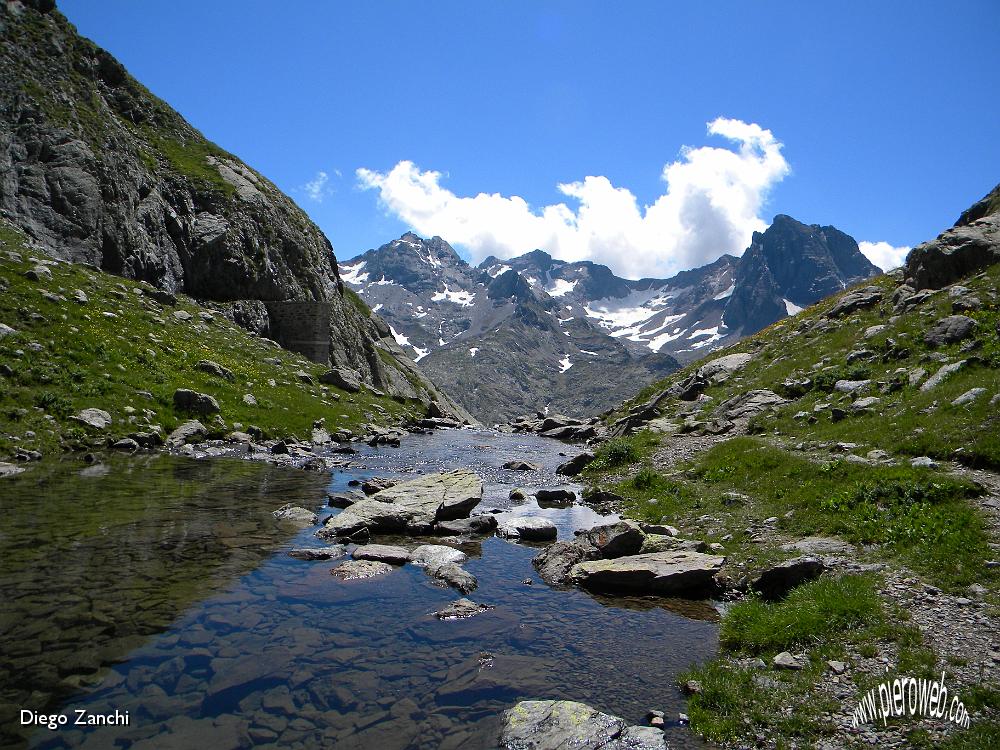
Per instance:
{"type": "Point", "coordinates": [351, 570]}
{"type": "Point", "coordinates": [318, 553]}
{"type": "Point", "coordinates": [452, 574]}
{"type": "Point", "coordinates": [461, 609]}
{"type": "Point", "coordinates": [296, 515]}
{"type": "Point", "coordinates": [557, 725]}
{"type": "Point", "coordinates": [680, 573]}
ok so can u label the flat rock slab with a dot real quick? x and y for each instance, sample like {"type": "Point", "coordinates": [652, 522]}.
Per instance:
{"type": "Point", "coordinates": [318, 553]}
{"type": "Point", "coordinates": [528, 528]}
{"type": "Point", "coordinates": [441, 497]}
{"type": "Point", "coordinates": [353, 570]}
{"type": "Point", "coordinates": [555, 725]}
{"type": "Point", "coordinates": [676, 573]}
{"type": "Point", "coordinates": [98, 419]}
{"type": "Point", "coordinates": [386, 553]}
{"type": "Point", "coordinates": [437, 554]}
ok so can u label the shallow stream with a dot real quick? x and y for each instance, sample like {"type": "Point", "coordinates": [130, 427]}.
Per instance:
{"type": "Point", "coordinates": [160, 586]}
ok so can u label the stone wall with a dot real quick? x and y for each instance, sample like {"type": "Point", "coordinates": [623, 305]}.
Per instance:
{"type": "Point", "coordinates": [302, 327]}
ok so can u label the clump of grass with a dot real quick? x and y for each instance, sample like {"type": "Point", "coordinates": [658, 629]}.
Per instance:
{"type": "Point", "coordinates": [645, 479]}
{"type": "Point", "coordinates": [811, 612]}
{"type": "Point", "coordinates": [623, 451]}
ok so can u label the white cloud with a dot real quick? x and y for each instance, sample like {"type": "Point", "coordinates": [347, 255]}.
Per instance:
{"type": "Point", "coordinates": [884, 255]}
{"type": "Point", "coordinates": [711, 205]}
{"type": "Point", "coordinates": [316, 188]}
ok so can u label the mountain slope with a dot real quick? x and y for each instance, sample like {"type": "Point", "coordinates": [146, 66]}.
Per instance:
{"type": "Point", "coordinates": [500, 345]}
{"type": "Point", "coordinates": [847, 464]}
{"type": "Point", "coordinates": [95, 169]}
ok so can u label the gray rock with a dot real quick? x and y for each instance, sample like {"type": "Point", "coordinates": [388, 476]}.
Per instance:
{"type": "Point", "coordinates": [383, 553]}
{"type": "Point", "coordinates": [968, 397]}
{"type": "Point", "coordinates": [97, 419]}
{"type": "Point", "coordinates": [865, 403]}
{"type": "Point", "coordinates": [776, 581]}
{"type": "Point", "coordinates": [950, 330]}
{"type": "Point", "coordinates": [555, 497]}
{"type": "Point", "coordinates": [851, 302]}
{"type": "Point", "coordinates": [473, 526]}
{"type": "Point", "coordinates": [555, 562]}
{"type": "Point", "coordinates": [196, 403]}
{"type": "Point", "coordinates": [214, 368]}
{"type": "Point", "coordinates": [296, 515]}
{"type": "Point", "coordinates": [561, 725]}
{"type": "Point", "coordinates": [9, 470]}
{"type": "Point", "coordinates": [189, 432]}
{"type": "Point", "coordinates": [818, 545]}
{"type": "Point", "coordinates": [719, 369]}
{"type": "Point", "coordinates": [664, 573]}
{"type": "Point", "coordinates": [80, 297]}
{"type": "Point", "coordinates": [923, 462]}
{"type": "Point", "coordinates": [527, 528]}
{"type": "Point", "coordinates": [318, 553]}
{"type": "Point", "coordinates": [353, 570]}
{"type": "Point", "coordinates": [837, 667]}
{"type": "Point", "coordinates": [462, 609]}
{"type": "Point", "coordinates": [615, 540]}
{"type": "Point", "coordinates": [38, 273]}
{"type": "Point", "coordinates": [943, 374]}
{"type": "Point", "coordinates": [750, 403]}
{"type": "Point", "coordinates": [412, 507]}
{"type": "Point", "coordinates": [851, 386]}
{"type": "Point", "coordinates": [249, 399]}
{"type": "Point", "coordinates": [451, 574]}
{"type": "Point", "coordinates": [521, 466]}
{"type": "Point", "coordinates": [6, 330]}
{"type": "Point", "coordinates": [955, 254]}
{"type": "Point", "coordinates": [576, 464]}
{"type": "Point", "coordinates": [126, 445]}
{"type": "Point", "coordinates": [785, 660]}
{"type": "Point", "coordinates": [343, 499]}
{"type": "Point", "coordinates": [343, 378]}
{"type": "Point", "coordinates": [437, 554]}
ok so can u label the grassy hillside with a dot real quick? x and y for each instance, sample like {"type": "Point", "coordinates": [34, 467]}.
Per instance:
{"type": "Point", "coordinates": [921, 545]}
{"type": "Point", "coordinates": [125, 353]}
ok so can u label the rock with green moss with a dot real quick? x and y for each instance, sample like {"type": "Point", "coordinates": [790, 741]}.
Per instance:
{"type": "Point", "coordinates": [557, 724]}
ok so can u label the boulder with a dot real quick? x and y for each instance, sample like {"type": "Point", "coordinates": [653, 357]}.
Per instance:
{"type": "Point", "coordinates": [851, 386]}
{"type": "Point", "coordinates": [382, 553]}
{"type": "Point", "coordinates": [527, 528]}
{"type": "Point", "coordinates": [857, 300]}
{"type": "Point", "coordinates": [521, 466]}
{"type": "Point", "coordinates": [555, 497]}
{"type": "Point", "coordinates": [197, 403]}
{"type": "Point", "coordinates": [950, 330]}
{"type": "Point", "coordinates": [776, 581]}
{"type": "Point", "coordinates": [189, 432]}
{"type": "Point", "coordinates": [968, 397]}
{"type": "Point", "coordinates": [412, 507]}
{"type": "Point", "coordinates": [6, 330]}
{"type": "Point", "coordinates": [576, 464]}
{"type": "Point", "coordinates": [943, 374]}
{"type": "Point", "coordinates": [343, 499]}
{"type": "Point", "coordinates": [461, 609]}
{"type": "Point", "coordinates": [556, 561]}
{"type": "Point", "coordinates": [452, 574]}
{"type": "Point", "coordinates": [437, 554]}
{"type": "Point", "coordinates": [558, 725]}
{"type": "Point", "coordinates": [376, 484]}
{"type": "Point", "coordinates": [690, 574]}
{"type": "Point", "coordinates": [473, 526]}
{"type": "Point", "coordinates": [97, 419]}
{"type": "Point", "coordinates": [352, 570]}
{"type": "Point", "coordinates": [614, 540]}
{"type": "Point", "coordinates": [787, 661]}
{"type": "Point", "coordinates": [749, 403]}
{"type": "Point", "coordinates": [343, 378]}
{"type": "Point", "coordinates": [214, 368]}
{"type": "Point", "coordinates": [126, 445]}
{"type": "Point", "coordinates": [720, 368]}
{"type": "Point", "coordinates": [955, 254]}
{"type": "Point", "coordinates": [296, 515]}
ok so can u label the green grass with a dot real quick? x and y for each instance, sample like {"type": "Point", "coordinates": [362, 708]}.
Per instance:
{"type": "Point", "coordinates": [811, 613]}
{"type": "Point", "coordinates": [87, 359]}
{"type": "Point", "coordinates": [620, 452]}
{"type": "Point", "coordinates": [189, 158]}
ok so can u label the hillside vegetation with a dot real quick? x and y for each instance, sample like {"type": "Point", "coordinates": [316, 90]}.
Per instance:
{"type": "Point", "coordinates": [83, 339]}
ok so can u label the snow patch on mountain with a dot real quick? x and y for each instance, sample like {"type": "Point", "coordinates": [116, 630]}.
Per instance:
{"type": "Point", "coordinates": [565, 364]}
{"type": "Point", "coordinates": [353, 274]}
{"type": "Point", "coordinates": [791, 308]}
{"type": "Point", "coordinates": [461, 297]}
{"type": "Point", "coordinates": [561, 287]}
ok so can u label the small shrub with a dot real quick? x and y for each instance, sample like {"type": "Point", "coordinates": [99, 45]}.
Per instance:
{"type": "Point", "coordinates": [645, 479]}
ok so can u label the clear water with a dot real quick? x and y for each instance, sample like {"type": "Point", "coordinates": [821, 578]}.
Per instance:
{"type": "Point", "coordinates": [160, 586]}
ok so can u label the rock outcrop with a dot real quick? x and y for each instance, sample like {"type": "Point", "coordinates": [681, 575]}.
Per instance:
{"type": "Point", "coordinates": [554, 725]}
{"type": "Point", "coordinates": [97, 170]}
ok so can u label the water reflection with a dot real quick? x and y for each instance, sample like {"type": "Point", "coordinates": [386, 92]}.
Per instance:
{"type": "Point", "coordinates": [220, 643]}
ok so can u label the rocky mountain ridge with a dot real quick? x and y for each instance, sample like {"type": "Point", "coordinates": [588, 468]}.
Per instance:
{"type": "Point", "coordinates": [95, 169]}
{"type": "Point", "coordinates": [522, 334]}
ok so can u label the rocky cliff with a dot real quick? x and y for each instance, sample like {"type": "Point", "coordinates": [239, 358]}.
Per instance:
{"type": "Point", "coordinates": [98, 170]}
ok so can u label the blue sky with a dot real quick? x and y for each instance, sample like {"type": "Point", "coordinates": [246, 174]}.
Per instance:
{"type": "Point", "coordinates": [882, 117]}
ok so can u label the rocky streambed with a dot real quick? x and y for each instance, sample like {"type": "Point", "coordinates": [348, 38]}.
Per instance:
{"type": "Point", "coordinates": [182, 599]}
